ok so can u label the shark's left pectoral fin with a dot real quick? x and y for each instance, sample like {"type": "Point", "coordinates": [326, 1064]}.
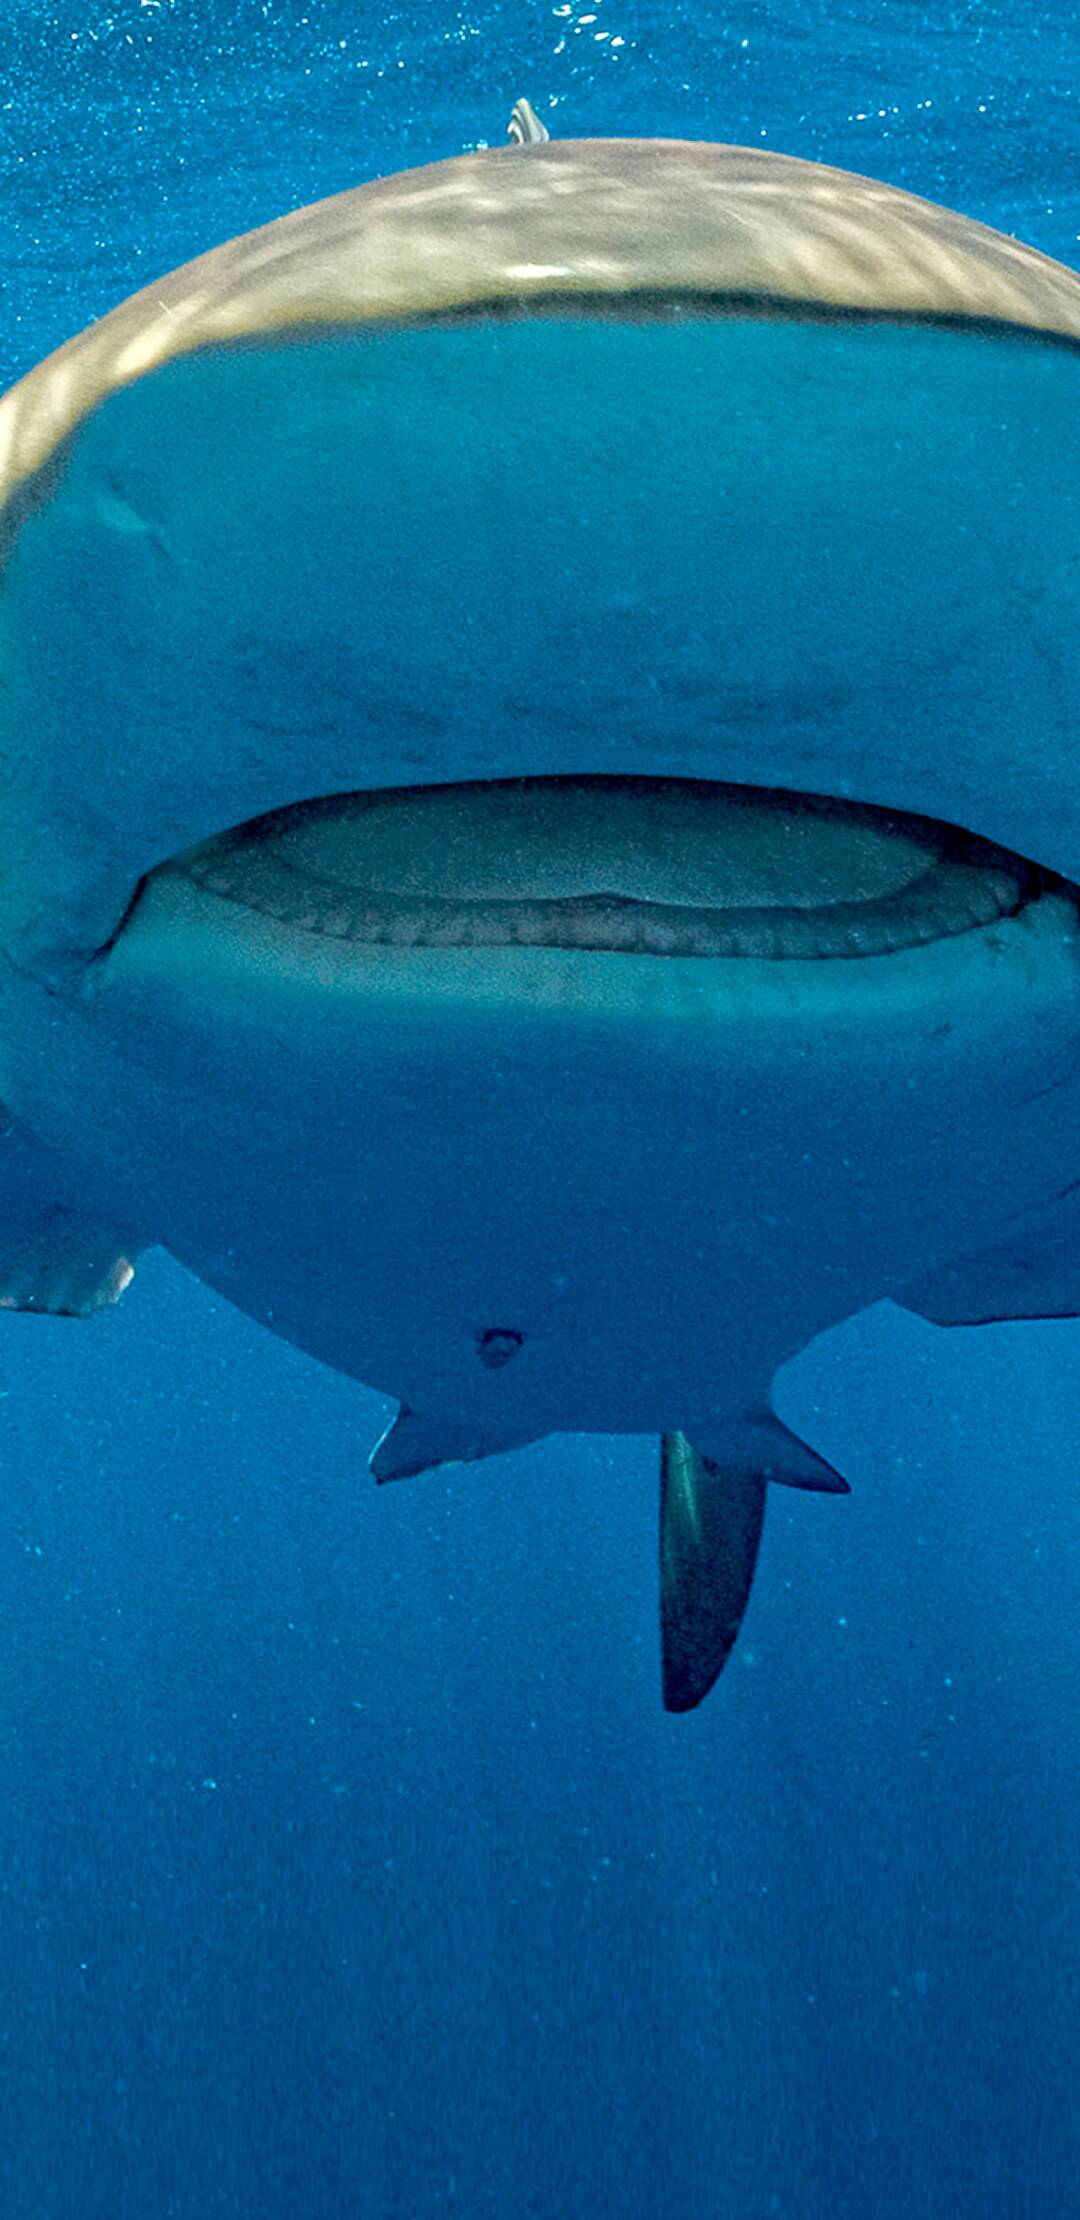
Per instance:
{"type": "Point", "coordinates": [55, 1257]}
{"type": "Point", "coordinates": [1033, 1273]}
{"type": "Point", "coordinates": [69, 1267]}
{"type": "Point", "coordinates": [710, 1528]}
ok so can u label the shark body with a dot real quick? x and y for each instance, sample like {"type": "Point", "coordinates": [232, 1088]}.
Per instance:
{"type": "Point", "coordinates": [540, 823]}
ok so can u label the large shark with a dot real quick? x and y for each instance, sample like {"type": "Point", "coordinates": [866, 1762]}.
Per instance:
{"type": "Point", "coordinates": [539, 800]}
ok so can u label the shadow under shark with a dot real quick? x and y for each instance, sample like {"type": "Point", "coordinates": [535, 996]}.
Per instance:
{"type": "Point", "coordinates": [538, 717]}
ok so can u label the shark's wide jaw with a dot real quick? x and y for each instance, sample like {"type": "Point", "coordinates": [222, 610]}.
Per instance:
{"type": "Point", "coordinates": [642, 867]}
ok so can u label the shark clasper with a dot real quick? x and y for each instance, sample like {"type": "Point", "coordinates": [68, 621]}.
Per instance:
{"type": "Point", "coordinates": [540, 771]}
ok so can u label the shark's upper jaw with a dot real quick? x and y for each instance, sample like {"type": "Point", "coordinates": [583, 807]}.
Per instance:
{"type": "Point", "coordinates": [822, 557]}
{"type": "Point", "coordinates": [636, 867]}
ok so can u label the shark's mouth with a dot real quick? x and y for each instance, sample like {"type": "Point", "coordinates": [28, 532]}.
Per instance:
{"type": "Point", "coordinates": [638, 866]}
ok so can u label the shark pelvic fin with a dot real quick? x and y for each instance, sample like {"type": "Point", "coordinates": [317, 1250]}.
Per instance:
{"type": "Point", "coordinates": [413, 1443]}
{"type": "Point", "coordinates": [710, 1528]}
{"type": "Point", "coordinates": [54, 1256]}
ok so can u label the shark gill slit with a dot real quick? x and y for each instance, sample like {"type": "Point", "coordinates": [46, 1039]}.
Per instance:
{"type": "Point", "coordinates": [635, 866]}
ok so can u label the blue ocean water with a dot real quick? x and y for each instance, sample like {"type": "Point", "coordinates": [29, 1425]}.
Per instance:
{"type": "Point", "coordinates": [347, 1861]}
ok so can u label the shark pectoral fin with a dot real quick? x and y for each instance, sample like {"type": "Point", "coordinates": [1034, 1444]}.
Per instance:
{"type": "Point", "coordinates": [413, 1443]}
{"type": "Point", "coordinates": [67, 1264]}
{"type": "Point", "coordinates": [54, 1256]}
{"type": "Point", "coordinates": [1034, 1273]}
{"type": "Point", "coordinates": [710, 1528]}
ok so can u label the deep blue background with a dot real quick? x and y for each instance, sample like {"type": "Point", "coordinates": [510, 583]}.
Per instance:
{"type": "Point", "coordinates": [347, 1861]}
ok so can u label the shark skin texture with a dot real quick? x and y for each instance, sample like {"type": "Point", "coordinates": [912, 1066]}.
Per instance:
{"type": "Point", "coordinates": [538, 717]}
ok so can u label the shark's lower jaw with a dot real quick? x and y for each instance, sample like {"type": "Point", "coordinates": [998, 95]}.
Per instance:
{"type": "Point", "coordinates": [584, 1070]}
{"type": "Point", "coordinates": [641, 867]}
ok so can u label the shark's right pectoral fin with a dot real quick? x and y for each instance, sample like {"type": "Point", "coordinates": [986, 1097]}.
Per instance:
{"type": "Point", "coordinates": [55, 1256]}
{"type": "Point", "coordinates": [710, 1528]}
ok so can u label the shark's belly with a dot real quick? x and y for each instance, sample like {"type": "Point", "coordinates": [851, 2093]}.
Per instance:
{"type": "Point", "coordinates": [546, 1188]}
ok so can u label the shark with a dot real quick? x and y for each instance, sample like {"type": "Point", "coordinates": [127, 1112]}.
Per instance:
{"type": "Point", "coordinates": [539, 801]}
